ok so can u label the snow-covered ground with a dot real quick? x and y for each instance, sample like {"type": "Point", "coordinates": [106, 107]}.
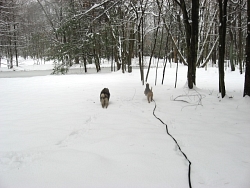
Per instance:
{"type": "Point", "coordinates": [54, 133]}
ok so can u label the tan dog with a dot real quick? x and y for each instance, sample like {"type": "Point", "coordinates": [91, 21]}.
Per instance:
{"type": "Point", "coordinates": [149, 93]}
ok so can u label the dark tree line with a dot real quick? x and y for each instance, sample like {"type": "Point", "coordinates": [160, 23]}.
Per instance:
{"type": "Point", "coordinates": [70, 32]}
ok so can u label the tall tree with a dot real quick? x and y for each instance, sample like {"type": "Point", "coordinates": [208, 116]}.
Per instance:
{"type": "Point", "coordinates": [240, 38]}
{"type": "Point", "coordinates": [222, 37]}
{"type": "Point", "coordinates": [8, 30]}
{"type": "Point", "coordinates": [247, 73]}
{"type": "Point", "coordinates": [155, 35]}
{"type": "Point", "coordinates": [140, 10]}
{"type": "Point", "coordinates": [191, 30]}
{"type": "Point", "coordinates": [194, 43]}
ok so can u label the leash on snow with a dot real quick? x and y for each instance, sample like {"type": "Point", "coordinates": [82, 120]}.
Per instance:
{"type": "Point", "coordinates": [189, 167]}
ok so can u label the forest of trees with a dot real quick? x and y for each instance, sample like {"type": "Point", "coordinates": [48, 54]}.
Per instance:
{"type": "Point", "coordinates": [191, 32]}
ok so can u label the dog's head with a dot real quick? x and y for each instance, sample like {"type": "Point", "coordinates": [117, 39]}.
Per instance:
{"type": "Point", "coordinates": [105, 90]}
{"type": "Point", "coordinates": [147, 86]}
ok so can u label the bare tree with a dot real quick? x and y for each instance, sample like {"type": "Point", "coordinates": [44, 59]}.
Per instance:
{"type": "Point", "coordinates": [8, 30]}
{"type": "Point", "coordinates": [160, 4]}
{"type": "Point", "coordinates": [247, 73]}
{"type": "Point", "coordinates": [222, 37]}
{"type": "Point", "coordinates": [191, 30]}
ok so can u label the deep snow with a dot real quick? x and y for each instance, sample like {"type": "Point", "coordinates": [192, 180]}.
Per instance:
{"type": "Point", "coordinates": [54, 133]}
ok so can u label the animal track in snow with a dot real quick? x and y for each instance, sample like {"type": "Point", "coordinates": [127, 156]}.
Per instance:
{"type": "Point", "coordinates": [15, 159]}
{"type": "Point", "coordinates": [74, 134]}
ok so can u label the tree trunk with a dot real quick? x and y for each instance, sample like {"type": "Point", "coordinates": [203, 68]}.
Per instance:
{"type": "Point", "coordinates": [222, 37]}
{"type": "Point", "coordinates": [165, 59]}
{"type": "Point", "coordinates": [240, 40]}
{"type": "Point", "coordinates": [15, 42]}
{"type": "Point", "coordinates": [140, 54]}
{"type": "Point", "coordinates": [247, 73]}
{"type": "Point", "coordinates": [175, 52]}
{"type": "Point", "coordinates": [191, 38]}
{"type": "Point", "coordinates": [140, 35]}
{"type": "Point", "coordinates": [231, 53]}
{"type": "Point", "coordinates": [155, 37]}
{"type": "Point", "coordinates": [131, 47]}
{"type": "Point", "coordinates": [10, 54]}
{"type": "Point", "coordinates": [194, 42]}
{"type": "Point", "coordinates": [85, 63]}
{"type": "Point", "coordinates": [188, 42]}
{"type": "Point", "coordinates": [159, 54]}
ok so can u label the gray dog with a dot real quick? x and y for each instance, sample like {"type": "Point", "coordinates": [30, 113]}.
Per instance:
{"type": "Point", "coordinates": [149, 93]}
{"type": "Point", "coordinates": [104, 97]}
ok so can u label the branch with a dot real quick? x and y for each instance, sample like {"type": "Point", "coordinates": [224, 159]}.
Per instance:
{"type": "Point", "coordinates": [194, 102]}
{"type": "Point", "coordinates": [172, 39]}
{"type": "Point", "coordinates": [47, 16]}
{"type": "Point", "coordinates": [178, 2]}
{"type": "Point", "coordinates": [206, 61]}
{"type": "Point", "coordinates": [207, 34]}
{"type": "Point", "coordinates": [79, 16]}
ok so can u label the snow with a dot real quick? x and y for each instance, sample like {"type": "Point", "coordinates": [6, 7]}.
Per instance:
{"type": "Point", "coordinates": [54, 133]}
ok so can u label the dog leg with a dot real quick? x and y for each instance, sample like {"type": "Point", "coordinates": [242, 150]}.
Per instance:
{"type": "Point", "coordinates": [105, 104]}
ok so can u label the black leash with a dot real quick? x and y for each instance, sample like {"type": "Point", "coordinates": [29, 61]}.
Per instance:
{"type": "Point", "coordinates": [189, 168]}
